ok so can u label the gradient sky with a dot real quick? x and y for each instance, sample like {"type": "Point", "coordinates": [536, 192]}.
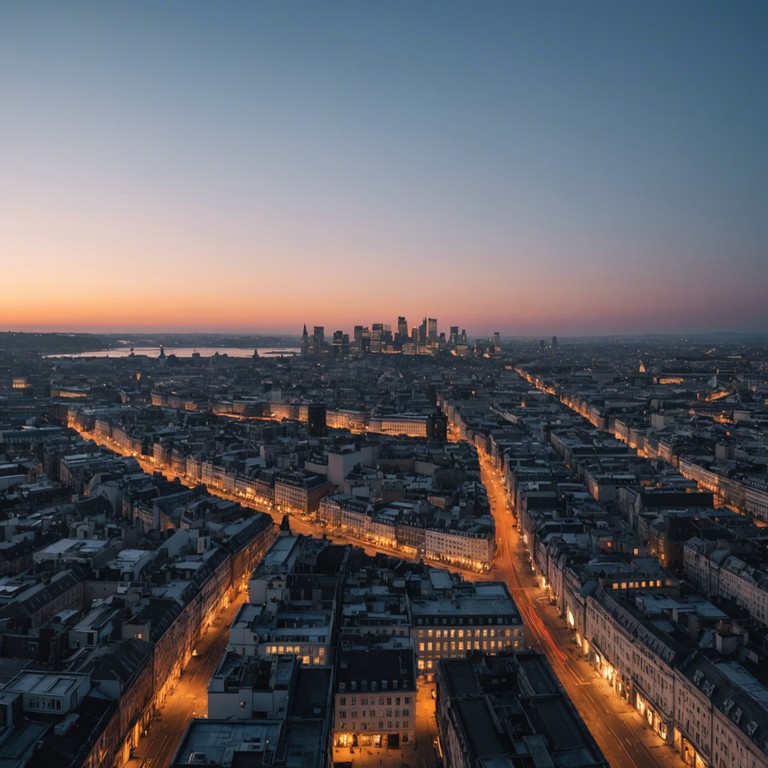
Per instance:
{"type": "Point", "coordinates": [535, 168]}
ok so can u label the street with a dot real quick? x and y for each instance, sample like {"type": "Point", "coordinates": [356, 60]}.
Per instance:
{"type": "Point", "coordinates": [616, 726]}
{"type": "Point", "coordinates": [189, 699]}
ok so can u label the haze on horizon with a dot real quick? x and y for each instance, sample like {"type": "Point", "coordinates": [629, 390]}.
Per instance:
{"type": "Point", "coordinates": [558, 168]}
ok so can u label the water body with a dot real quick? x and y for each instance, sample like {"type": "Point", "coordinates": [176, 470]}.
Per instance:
{"type": "Point", "coordinates": [188, 351]}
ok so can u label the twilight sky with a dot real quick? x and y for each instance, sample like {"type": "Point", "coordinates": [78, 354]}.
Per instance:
{"type": "Point", "coordinates": [535, 168]}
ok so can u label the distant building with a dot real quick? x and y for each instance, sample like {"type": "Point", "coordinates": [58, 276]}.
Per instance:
{"type": "Point", "coordinates": [316, 420]}
{"type": "Point", "coordinates": [437, 427]}
{"type": "Point", "coordinates": [318, 339]}
{"type": "Point", "coordinates": [300, 492]}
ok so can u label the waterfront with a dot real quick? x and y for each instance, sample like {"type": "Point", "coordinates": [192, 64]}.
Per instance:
{"type": "Point", "coordinates": [186, 352]}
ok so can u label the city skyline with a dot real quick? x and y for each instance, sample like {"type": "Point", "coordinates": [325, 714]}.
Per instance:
{"type": "Point", "coordinates": [569, 169]}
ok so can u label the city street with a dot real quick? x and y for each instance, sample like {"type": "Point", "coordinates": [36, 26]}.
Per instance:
{"type": "Point", "coordinates": [617, 727]}
{"type": "Point", "coordinates": [189, 699]}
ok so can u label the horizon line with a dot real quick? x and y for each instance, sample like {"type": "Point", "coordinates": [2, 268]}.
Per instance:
{"type": "Point", "coordinates": [297, 334]}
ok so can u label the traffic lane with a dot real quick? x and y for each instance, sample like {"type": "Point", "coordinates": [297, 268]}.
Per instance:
{"type": "Point", "coordinates": [190, 696]}
{"type": "Point", "coordinates": [614, 724]}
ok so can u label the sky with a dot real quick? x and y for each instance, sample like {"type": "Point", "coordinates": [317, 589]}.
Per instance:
{"type": "Point", "coordinates": [534, 168]}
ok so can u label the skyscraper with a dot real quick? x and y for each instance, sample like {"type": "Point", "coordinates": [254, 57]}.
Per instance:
{"type": "Point", "coordinates": [318, 339]}
{"type": "Point", "coordinates": [377, 335]}
{"type": "Point", "coordinates": [338, 338]}
{"type": "Point", "coordinates": [357, 338]}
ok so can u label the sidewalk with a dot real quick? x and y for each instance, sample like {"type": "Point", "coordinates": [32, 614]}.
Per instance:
{"type": "Point", "coordinates": [371, 757]}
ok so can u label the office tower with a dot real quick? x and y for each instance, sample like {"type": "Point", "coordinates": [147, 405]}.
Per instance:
{"type": "Point", "coordinates": [453, 337]}
{"type": "Point", "coordinates": [496, 341]}
{"type": "Point", "coordinates": [423, 332]}
{"type": "Point", "coordinates": [431, 329]}
{"type": "Point", "coordinates": [402, 327]}
{"type": "Point", "coordinates": [377, 336]}
{"type": "Point", "coordinates": [338, 337]}
{"type": "Point", "coordinates": [318, 338]}
{"type": "Point", "coordinates": [554, 342]}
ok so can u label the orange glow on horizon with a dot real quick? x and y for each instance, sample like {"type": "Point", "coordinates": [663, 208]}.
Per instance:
{"type": "Point", "coordinates": [279, 296]}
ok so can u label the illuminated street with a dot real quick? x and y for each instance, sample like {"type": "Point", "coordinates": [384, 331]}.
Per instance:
{"type": "Point", "coordinates": [617, 726]}
{"type": "Point", "coordinates": [189, 699]}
